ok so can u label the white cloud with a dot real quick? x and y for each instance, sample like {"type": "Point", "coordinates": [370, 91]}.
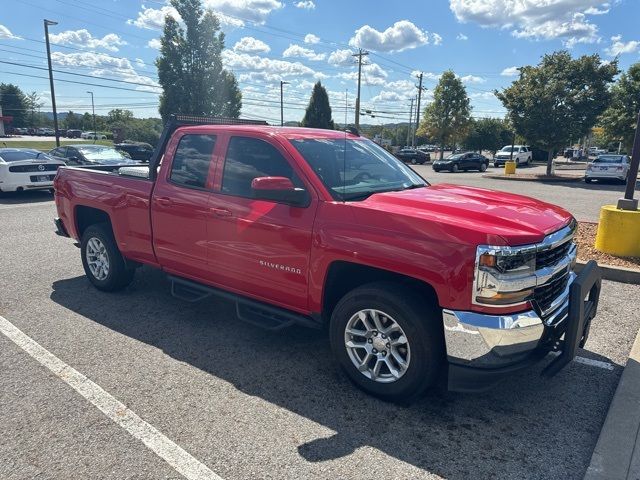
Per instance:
{"type": "Point", "coordinates": [250, 10]}
{"type": "Point", "coordinates": [437, 39]}
{"type": "Point", "coordinates": [302, 52]}
{"type": "Point", "coordinates": [461, 36]}
{"type": "Point", "coordinates": [472, 79]}
{"type": "Point", "coordinates": [251, 45]}
{"type": "Point", "coordinates": [306, 4]}
{"type": "Point", "coordinates": [400, 36]}
{"type": "Point", "coordinates": [82, 38]}
{"type": "Point", "coordinates": [619, 47]}
{"type": "Point", "coordinates": [510, 72]}
{"type": "Point", "coordinates": [231, 13]}
{"type": "Point", "coordinates": [266, 69]}
{"type": "Point", "coordinates": [5, 34]}
{"type": "Point", "coordinates": [103, 65]}
{"type": "Point", "coordinates": [372, 74]}
{"type": "Point", "coordinates": [535, 19]}
{"type": "Point", "coordinates": [311, 38]}
{"type": "Point", "coordinates": [483, 95]}
{"type": "Point", "coordinates": [154, 43]}
{"type": "Point", "coordinates": [341, 58]}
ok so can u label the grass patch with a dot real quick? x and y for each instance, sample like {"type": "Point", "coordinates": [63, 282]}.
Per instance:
{"type": "Point", "coordinates": [46, 145]}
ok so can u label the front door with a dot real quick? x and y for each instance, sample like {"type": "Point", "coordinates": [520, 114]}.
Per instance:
{"type": "Point", "coordinates": [260, 248]}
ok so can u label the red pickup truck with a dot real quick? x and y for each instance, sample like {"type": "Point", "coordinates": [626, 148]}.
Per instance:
{"type": "Point", "coordinates": [325, 228]}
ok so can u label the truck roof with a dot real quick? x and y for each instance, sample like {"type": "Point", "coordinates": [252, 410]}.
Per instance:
{"type": "Point", "coordinates": [286, 132]}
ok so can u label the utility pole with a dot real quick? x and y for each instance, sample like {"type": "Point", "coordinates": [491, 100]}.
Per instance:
{"type": "Point", "coordinates": [361, 53]}
{"type": "Point", "coordinates": [93, 108]}
{"type": "Point", "coordinates": [628, 202]}
{"type": "Point", "coordinates": [282, 103]}
{"type": "Point", "coordinates": [413, 143]}
{"type": "Point", "coordinates": [410, 120]}
{"type": "Point", "coordinates": [53, 93]}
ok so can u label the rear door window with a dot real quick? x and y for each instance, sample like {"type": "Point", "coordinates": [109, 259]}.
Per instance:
{"type": "Point", "coordinates": [191, 162]}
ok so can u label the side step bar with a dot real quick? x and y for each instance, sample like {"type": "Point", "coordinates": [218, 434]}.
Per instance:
{"type": "Point", "coordinates": [248, 310]}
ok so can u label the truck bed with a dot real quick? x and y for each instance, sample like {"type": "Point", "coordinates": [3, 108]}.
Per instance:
{"type": "Point", "coordinates": [122, 192]}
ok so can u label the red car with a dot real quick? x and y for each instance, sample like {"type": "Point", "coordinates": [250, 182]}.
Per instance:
{"type": "Point", "coordinates": [318, 227]}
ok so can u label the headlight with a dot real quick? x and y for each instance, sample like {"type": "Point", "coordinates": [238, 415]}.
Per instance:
{"type": "Point", "coordinates": [504, 276]}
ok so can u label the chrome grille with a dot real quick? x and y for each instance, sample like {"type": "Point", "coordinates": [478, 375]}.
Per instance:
{"type": "Point", "coordinates": [547, 293]}
{"type": "Point", "coordinates": [548, 258]}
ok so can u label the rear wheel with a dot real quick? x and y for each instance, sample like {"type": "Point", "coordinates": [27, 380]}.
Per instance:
{"type": "Point", "coordinates": [495, 164]}
{"type": "Point", "coordinates": [103, 263]}
{"type": "Point", "coordinates": [587, 180]}
{"type": "Point", "coordinates": [483, 167]}
{"type": "Point", "coordinates": [455, 168]}
{"type": "Point", "coordinates": [388, 340]}
{"type": "Point", "coordinates": [414, 161]}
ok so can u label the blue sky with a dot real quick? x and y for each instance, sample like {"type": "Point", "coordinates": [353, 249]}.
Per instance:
{"type": "Point", "coordinates": [303, 41]}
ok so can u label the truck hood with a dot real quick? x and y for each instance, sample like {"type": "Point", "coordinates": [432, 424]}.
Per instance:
{"type": "Point", "coordinates": [464, 214]}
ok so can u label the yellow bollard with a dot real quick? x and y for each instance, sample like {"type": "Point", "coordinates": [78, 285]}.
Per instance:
{"type": "Point", "coordinates": [510, 168]}
{"type": "Point", "coordinates": [618, 232]}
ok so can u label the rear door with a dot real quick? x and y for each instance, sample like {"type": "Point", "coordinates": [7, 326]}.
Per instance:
{"type": "Point", "coordinates": [179, 205]}
{"type": "Point", "coordinates": [260, 248]}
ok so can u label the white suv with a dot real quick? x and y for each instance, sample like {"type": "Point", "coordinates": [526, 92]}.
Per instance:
{"type": "Point", "coordinates": [521, 154]}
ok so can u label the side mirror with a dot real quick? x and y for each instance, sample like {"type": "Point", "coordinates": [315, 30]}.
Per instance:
{"type": "Point", "coordinates": [279, 189]}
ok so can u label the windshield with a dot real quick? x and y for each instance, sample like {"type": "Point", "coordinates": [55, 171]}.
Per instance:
{"type": "Point", "coordinates": [105, 155]}
{"type": "Point", "coordinates": [356, 169]}
{"type": "Point", "coordinates": [23, 155]}
{"type": "Point", "coordinates": [609, 159]}
{"type": "Point", "coordinates": [508, 149]}
{"type": "Point", "coordinates": [455, 157]}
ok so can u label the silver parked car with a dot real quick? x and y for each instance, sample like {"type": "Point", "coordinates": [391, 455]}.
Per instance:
{"type": "Point", "coordinates": [608, 167]}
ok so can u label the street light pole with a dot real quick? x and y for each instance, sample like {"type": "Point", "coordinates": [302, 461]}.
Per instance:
{"type": "Point", "coordinates": [282, 102]}
{"type": "Point", "coordinates": [53, 93]}
{"type": "Point", "coordinates": [93, 108]}
{"type": "Point", "coordinates": [628, 202]}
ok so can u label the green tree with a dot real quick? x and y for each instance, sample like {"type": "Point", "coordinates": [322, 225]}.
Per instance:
{"type": "Point", "coordinates": [619, 120]}
{"type": "Point", "coordinates": [318, 114]}
{"type": "Point", "coordinates": [559, 99]}
{"type": "Point", "coordinates": [190, 67]}
{"type": "Point", "coordinates": [487, 134]}
{"type": "Point", "coordinates": [14, 104]}
{"type": "Point", "coordinates": [447, 117]}
{"type": "Point", "coordinates": [33, 106]}
{"type": "Point", "coordinates": [73, 121]}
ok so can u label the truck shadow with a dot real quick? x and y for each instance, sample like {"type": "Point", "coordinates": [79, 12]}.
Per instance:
{"type": "Point", "coordinates": [505, 433]}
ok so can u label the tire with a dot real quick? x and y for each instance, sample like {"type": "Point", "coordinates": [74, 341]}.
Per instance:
{"type": "Point", "coordinates": [455, 168]}
{"type": "Point", "coordinates": [483, 167]}
{"type": "Point", "coordinates": [495, 165]}
{"type": "Point", "coordinates": [414, 161]}
{"type": "Point", "coordinates": [99, 238]}
{"type": "Point", "coordinates": [587, 180]}
{"type": "Point", "coordinates": [419, 322]}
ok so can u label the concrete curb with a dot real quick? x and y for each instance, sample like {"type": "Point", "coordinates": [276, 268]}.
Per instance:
{"type": "Point", "coordinates": [515, 178]}
{"type": "Point", "coordinates": [617, 453]}
{"type": "Point", "coordinates": [615, 274]}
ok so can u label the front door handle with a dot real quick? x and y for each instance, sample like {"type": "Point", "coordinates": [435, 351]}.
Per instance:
{"type": "Point", "coordinates": [164, 201]}
{"type": "Point", "coordinates": [221, 212]}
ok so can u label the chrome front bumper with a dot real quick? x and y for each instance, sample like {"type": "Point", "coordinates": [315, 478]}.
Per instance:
{"type": "Point", "coordinates": [490, 341]}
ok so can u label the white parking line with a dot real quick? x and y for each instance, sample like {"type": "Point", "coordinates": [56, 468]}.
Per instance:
{"type": "Point", "coordinates": [594, 363]}
{"type": "Point", "coordinates": [117, 411]}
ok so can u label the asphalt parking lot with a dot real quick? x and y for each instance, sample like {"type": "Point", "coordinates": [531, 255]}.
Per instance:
{"type": "Point", "coordinates": [253, 404]}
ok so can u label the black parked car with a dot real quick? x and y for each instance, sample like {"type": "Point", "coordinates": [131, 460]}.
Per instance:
{"type": "Point", "coordinates": [138, 151]}
{"type": "Point", "coordinates": [91, 155]}
{"type": "Point", "coordinates": [462, 161]}
{"type": "Point", "coordinates": [413, 156]}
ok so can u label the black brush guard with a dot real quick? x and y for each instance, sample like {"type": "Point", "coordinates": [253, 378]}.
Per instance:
{"type": "Point", "coordinates": [583, 303]}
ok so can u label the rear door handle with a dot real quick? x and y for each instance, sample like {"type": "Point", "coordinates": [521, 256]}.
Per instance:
{"type": "Point", "coordinates": [221, 212]}
{"type": "Point", "coordinates": [164, 201]}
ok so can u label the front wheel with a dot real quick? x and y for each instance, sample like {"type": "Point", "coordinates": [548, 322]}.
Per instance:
{"type": "Point", "coordinates": [103, 263]}
{"type": "Point", "coordinates": [388, 341]}
{"type": "Point", "coordinates": [413, 161]}
{"type": "Point", "coordinates": [455, 168]}
{"type": "Point", "coordinates": [483, 167]}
